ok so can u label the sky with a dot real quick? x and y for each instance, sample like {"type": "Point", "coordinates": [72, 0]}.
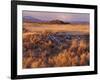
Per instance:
{"type": "Point", "coordinates": [64, 16]}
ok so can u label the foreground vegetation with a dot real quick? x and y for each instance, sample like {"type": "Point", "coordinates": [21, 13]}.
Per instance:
{"type": "Point", "coordinates": [55, 49]}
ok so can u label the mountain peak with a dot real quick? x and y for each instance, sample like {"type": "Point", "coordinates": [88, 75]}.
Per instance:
{"type": "Point", "coordinates": [30, 19]}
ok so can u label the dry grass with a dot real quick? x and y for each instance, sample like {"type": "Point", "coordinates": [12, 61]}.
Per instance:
{"type": "Point", "coordinates": [84, 28]}
{"type": "Point", "coordinates": [39, 51]}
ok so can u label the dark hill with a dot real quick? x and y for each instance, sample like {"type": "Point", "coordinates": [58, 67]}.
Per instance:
{"type": "Point", "coordinates": [58, 22]}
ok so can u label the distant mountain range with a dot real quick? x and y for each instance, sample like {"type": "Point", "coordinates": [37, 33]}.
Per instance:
{"type": "Point", "coordinates": [30, 19]}
{"type": "Point", "coordinates": [56, 21]}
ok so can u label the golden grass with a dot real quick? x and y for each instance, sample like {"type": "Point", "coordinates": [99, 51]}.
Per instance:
{"type": "Point", "coordinates": [38, 53]}
{"type": "Point", "coordinates": [76, 55]}
{"type": "Point", "coordinates": [56, 27]}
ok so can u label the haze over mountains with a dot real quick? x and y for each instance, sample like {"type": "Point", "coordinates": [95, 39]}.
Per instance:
{"type": "Point", "coordinates": [31, 19]}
